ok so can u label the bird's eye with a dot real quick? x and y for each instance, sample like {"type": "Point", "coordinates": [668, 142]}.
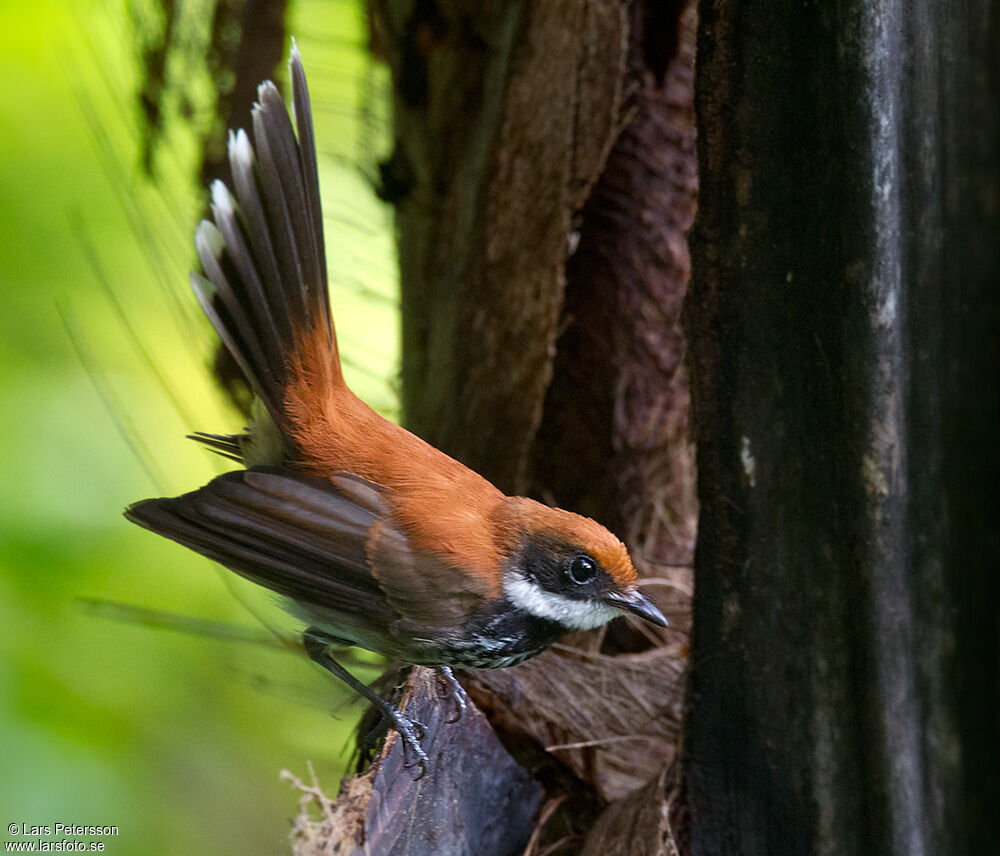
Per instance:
{"type": "Point", "coordinates": [581, 569]}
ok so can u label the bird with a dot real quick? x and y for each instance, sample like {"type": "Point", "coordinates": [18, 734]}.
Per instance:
{"type": "Point", "coordinates": [367, 534]}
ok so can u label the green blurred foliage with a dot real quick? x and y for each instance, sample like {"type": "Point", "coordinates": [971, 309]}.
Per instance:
{"type": "Point", "coordinates": [177, 740]}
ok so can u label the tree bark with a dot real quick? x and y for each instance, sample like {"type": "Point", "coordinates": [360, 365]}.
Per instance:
{"type": "Point", "coordinates": [844, 319]}
{"type": "Point", "coordinates": [486, 115]}
{"type": "Point", "coordinates": [619, 370]}
{"type": "Point", "coordinates": [473, 799]}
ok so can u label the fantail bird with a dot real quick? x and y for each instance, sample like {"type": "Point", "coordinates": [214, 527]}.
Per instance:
{"type": "Point", "coordinates": [369, 534]}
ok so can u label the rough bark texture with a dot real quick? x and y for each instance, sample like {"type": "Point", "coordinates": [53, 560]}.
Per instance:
{"type": "Point", "coordinates": [844, 317]}
{"type": "Point", "coordinates": [639, 825]}
{"type": "Point", "coordinates": [489, 101]}
{"type": "Point", "coordinates": [619, 368]}
{"type": "Point", "coordinates": [613, 721]}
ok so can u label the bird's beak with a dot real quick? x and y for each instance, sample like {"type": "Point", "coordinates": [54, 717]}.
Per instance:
{"type": "Point", "coordinates": [637, 604]}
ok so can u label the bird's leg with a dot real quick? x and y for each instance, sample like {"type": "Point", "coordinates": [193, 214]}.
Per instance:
{"type": "Point", "coordinates": [317, 645]}
{"type": "Point", "coordinates": [455, 691]}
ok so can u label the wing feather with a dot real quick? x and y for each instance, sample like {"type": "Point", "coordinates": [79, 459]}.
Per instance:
{"type": "Point", "coordinates": [295, 535]}
{"type": "Point", "coordinates": [330, 545]}
{"type": "Point", "coordinates": [424, 589]}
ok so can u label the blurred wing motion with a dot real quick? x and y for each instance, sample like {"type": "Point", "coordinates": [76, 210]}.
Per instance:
{"type": "Point", "coordinates": [160, 619]}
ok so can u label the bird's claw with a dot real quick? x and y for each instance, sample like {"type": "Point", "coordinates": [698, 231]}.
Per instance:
{"type": "Point", "coordinates": [411, 732]}
{"type": "Point", "coordinates": [456, 692]}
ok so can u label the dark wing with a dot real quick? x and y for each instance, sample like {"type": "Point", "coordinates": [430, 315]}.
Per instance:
{"type": "Point", "coordinates": [295, 535]}
{"type": "Point", "coordinates": [330, 545]}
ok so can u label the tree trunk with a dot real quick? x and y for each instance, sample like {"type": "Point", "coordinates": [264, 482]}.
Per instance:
{"type": "Point", "coordinates": [844, 319]}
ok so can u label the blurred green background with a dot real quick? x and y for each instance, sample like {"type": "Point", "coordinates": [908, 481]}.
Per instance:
{"type": "Point", "coordinates": [177, 740]}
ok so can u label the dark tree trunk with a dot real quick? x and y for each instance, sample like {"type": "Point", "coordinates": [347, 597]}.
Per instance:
{"type": "Point", "coordinates": [845, 314]}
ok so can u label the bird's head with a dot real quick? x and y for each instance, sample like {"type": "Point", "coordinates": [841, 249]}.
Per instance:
{"type": "Point", "coordinates": [571, 570]}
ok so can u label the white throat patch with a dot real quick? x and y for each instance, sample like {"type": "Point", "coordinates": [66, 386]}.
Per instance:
{"type": "Point", "coordinates": [574, 614]}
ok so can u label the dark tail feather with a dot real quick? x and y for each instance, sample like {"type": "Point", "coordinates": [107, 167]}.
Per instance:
{"type": "Point", "coordinates": [227, 445]}
{"type": "Point", "coordinates": [263, 284]}
{"type": "Point", "coordinates": [310, 173]}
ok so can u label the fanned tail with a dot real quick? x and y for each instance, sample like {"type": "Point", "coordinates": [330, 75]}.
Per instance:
{"type": "Point", "coordinates": [263, 284]}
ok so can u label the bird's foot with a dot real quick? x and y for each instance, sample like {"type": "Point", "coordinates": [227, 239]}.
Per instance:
{"type": "Point", "coordinates": [411, 732]}
{"type": "Point", "coordinates": [456, 692]}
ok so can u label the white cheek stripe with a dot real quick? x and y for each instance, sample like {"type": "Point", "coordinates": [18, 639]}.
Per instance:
{"type": "Point", "coordinates": [575, 614]}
